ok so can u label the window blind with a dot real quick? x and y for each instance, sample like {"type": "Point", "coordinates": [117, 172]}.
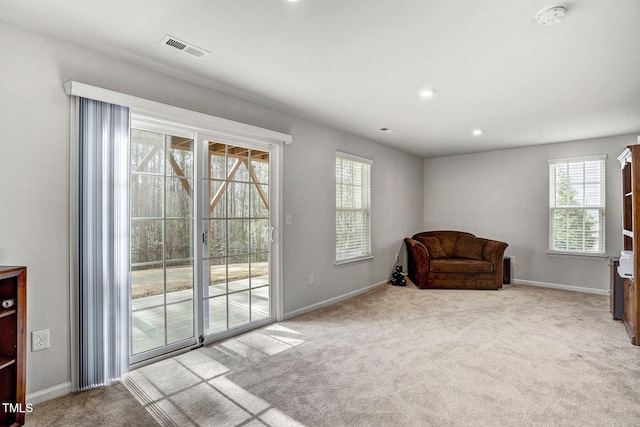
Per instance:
{"type": "Point", "coordinates": [353, 207]}
{"type": "Point", "coordinates": [104, 286]}
{"type": "Point", "coordinates": [577, 205]}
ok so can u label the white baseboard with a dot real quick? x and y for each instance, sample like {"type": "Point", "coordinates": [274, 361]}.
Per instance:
{"type": "Point", "coordinates": [332, 301]}
{"type": "Point", "coordinates": [49, 393]}
{"type": "Point", "coordinates": [563, 287]}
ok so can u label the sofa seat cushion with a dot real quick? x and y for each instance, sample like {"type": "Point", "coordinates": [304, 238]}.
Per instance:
{"type": "Point", "coordinates": [455, 265]}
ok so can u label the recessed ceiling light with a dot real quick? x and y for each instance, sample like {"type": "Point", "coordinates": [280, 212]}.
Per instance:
{"type": "Point", "coordinates": [476, 132]}
{"type": "Point", "coordinates": [427, 93]}
{"type": "Point", "coordinates": [551, 15]}
{"type": "Point", "coordinates": [386, 130]}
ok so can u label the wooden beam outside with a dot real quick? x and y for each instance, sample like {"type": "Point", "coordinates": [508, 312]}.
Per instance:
{"type": "Point", "coordinates": [263, 196]}
{"type": "Point", "coordinates": [220, 149]}
{"type": "Point", "coordinates": [241, 156]}
{"type": "Point", "coordinates": [176, 168]}
{"type": "Point", "coordinates": [220, 192]}
{"type": "Point", "coordinates": [147, 158]}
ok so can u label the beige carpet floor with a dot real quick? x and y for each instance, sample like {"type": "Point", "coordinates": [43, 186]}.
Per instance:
{"type": "Point", "coordinates": [395, 356]}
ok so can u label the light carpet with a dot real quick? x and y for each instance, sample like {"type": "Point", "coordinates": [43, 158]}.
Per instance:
{"type": "Point", "coordinates": [399, 356]}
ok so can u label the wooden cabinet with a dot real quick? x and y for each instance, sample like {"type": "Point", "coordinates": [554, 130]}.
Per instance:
{"type": "Point", "coordinates": [13, 298]}
{"type": "Point", "coordinates": [630, 163]}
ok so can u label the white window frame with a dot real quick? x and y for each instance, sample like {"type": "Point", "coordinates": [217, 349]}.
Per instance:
{"type": "Point", "coordinates": [597, 202]}
{"type": "Point", "coordinates": [362, 251]}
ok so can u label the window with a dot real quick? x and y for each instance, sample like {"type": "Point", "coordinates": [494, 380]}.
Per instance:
{"type": "Point", "coordinates": [577, 205]}
{"type": "Point", "coordinates": [353, 208]}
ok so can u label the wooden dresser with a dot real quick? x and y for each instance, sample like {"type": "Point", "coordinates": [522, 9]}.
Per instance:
{"type": "Point", "coordinates": [630, 163]}
{"type": "Point", "coordinates": [13, 310]}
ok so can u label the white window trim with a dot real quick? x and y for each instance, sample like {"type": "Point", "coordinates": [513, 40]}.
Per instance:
{"type": "Point", "coordinates": [165, 113]}
{"type": "Point", "coordinates": [580, 254]}
{"type": "Point", "coordinates": [353, 157]}
{"type": "Point", "coordinates": [369, 255]}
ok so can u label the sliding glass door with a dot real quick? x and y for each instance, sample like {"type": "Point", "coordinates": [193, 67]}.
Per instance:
{"type": "Point", "coordinates": [237, 232]}
{"type": "Point", "coordinates": [205, 272]}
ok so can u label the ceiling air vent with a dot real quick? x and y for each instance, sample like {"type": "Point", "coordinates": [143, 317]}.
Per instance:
{"type": "Point", "coordinates": [183, 46]}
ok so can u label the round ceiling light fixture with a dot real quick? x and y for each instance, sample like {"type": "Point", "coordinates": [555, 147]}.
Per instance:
{"type": "Point", "coordinates": [477, 132]}
{"type": "Point", "coordinates": [427, 93]}
{"type": "Point", "coordinates": [551, 15]}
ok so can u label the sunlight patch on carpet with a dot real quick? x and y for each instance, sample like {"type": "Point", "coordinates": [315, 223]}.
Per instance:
{"type": "Point", "coordinates": [194, 389]}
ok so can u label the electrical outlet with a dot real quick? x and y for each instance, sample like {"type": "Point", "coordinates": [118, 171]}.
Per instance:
{"type": "Point", "coordinates": [312, 279]}
{"type": "Point", "coordinates": [513, 259]}
{"type": "Point", "coordinates": [39, 340]}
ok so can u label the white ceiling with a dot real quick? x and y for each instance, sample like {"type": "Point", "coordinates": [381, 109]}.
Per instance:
{"type": "Point", "coordinates": [358, 65]}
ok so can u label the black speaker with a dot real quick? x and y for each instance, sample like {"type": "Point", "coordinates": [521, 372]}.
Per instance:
{"type": "Point", "coordinates": [397, 277]}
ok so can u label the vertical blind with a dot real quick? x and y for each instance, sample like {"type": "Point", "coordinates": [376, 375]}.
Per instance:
{"type": "Point", "coordinates": [353, 207]}
{"type": "Point", "coordinates": [103, 242]}
{"type": "Point", "coordinates": [577, 205]}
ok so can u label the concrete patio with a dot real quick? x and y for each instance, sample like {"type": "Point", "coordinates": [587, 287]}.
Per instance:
{"type": "Point", "coordinates": [229, 305]}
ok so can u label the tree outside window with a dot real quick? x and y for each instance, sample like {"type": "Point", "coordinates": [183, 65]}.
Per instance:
{"type": "Point", "coordinates": [577, 205]}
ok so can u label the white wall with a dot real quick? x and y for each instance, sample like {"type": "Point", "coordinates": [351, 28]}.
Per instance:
{"type": "Point", "coordinates": [34, 184]}
{"type": "Point", "coordinates": [504, 195]}
{"type": "Point", "coordinates": [396, 194]}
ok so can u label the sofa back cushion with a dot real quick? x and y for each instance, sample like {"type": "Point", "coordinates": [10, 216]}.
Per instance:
{"type": "Point", "coordinates": [433, 246]}
{"type": "Point", "coordinates": [447, 239]}
{"type": "Point", "coordinates": [469, 247]}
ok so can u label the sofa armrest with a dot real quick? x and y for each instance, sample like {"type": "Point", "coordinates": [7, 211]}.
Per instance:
{"type": "Point", "coordinates": [418, 260]}
{"type": "Point", "coordinates": [493, 252]}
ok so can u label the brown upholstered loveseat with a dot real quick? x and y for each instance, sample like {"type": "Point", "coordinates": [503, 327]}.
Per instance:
{"type": "Point", "coordinates": [454, 259]}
